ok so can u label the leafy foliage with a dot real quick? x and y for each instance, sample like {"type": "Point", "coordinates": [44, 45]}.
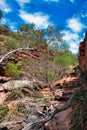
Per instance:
{"type": "Point", "coordinates": [51, 74]}
{"type": "Point", "coordinates": [12, 70]}
{"type": "Point", "coordinates": [65, 61]}
{"type": "Point", "coordinates": [11, 44]}
{"type": "Point", "coordinates": [29, 36]}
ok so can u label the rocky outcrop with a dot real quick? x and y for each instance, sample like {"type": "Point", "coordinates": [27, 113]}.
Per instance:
{"type": "Point", "coordinates": [83, 55]}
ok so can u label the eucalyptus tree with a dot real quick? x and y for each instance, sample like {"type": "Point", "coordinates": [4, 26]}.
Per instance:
{"type": "Point", "coordinates": [30, 35]}
{"type": "Point", "coordinates": [54, 36]}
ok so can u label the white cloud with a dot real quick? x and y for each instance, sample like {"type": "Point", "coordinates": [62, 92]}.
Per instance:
{"type": "Point", "coordinates": [73, 47]}
{"type": "Point", "coordinates": [51, 0]}
{"type": "Point", "coordinates": [74, 28]}
{"type": "Point", "coordinates": [75, 25]}
{"type": "Point", "coordinates": [68, 35]}
{"type": "Point", "coordinates": [72, 1]}
{"type": "Point", "coordinates": [41, 20]}
{"type": "Point", "coordinates": [22, 2]}
{"type": "Point", "coordinates": [4, 6]}
{"type": "Point", "coordinates": [72, 40]}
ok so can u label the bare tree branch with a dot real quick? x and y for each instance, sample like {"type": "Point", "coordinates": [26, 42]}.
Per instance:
{"type": "Point", "coordinates": [18, 49]}
{"type": "Point", "coordinates": [57, 110]}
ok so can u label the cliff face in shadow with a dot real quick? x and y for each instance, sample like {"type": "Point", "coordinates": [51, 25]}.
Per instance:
{"type": "Point", "coordinates": [83, 54]}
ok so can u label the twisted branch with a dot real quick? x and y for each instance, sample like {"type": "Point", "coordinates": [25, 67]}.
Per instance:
{"type": "Point", "coordinates": [57, 110]}
{"type": "Point", "coordinates": [18, 49]}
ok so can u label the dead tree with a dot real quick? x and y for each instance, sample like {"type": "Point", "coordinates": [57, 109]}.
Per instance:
{"type": "Point", "coordinates": [39, 124]}
{"type": "Point", "coordinates": [13, 51]}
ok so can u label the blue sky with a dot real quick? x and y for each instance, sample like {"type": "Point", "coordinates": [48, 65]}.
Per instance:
{"type": "Point", "coordinates": [70, 14]}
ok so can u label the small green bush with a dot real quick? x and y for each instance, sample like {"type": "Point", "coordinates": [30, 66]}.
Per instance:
{"type": "Point", "coordinates": [11, 44]}
{"type": "Point", "coordinates": [63, 61]}
{"type": "Point", "coordinates": [21, 108]}
{"type": "Point", "coordinates": [12, 70]}
{"type": "Point", "coordinates": [51, 74]}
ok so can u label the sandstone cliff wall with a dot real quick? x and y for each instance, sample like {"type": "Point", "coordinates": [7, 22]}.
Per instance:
{"type": "Point", "coordinates": [83, 54]}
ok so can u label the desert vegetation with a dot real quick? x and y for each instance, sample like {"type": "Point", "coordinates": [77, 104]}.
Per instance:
{"type": "Point", "coordinates": [40, 78]}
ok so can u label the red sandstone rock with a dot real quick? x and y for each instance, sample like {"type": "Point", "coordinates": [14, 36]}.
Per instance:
{"type": "Point", "coordinates": [4, 79]}
{"type": "Point", "coordinates": [66, 80]}
{"type": "Point", "coordinates": [2, 70]}
{"type": "Point", "coordinates": [3, 97]}
{"type": "Point", "coordinates": [83, 55]}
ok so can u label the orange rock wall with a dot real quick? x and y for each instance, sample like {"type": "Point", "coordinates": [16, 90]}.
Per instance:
{"type": "Point", "coordinates": [83, 55]}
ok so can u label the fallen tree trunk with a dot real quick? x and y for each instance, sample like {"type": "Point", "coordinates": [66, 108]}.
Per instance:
{"type": "Point", "coordinates": [41, 123]}
{"type": "Point", "coordinates": [15, 84]}
{"type": "Point", "coordinates": [9, 53]}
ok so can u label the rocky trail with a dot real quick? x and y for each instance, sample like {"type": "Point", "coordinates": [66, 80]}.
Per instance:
{"type": "Point", "coordinates": [25, 103]}
{"type": "Point", "coordinates": [56, 95]}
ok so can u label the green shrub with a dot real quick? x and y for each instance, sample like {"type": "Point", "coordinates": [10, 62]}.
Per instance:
{"type": "Point", "coordinates": [52, 75]}
{"type": "Point", "coordinates": [63, 61]}
{"type": "Point", "coordinates": [12, 70]}
{"type": "Point", "coordinates": [11, 44]}
{"type": "Point", "coordinates": [21, 108]}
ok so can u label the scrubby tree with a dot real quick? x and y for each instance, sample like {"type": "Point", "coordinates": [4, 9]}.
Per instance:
{"type": "Point", "coordinates": [4, 29]}
{"type": "Point", "coordinates": [24, 29]}
{"type": "Point", "coordinates": [11, 44]}
{"type": "Point", "coordinates": [29, 36]}
{"type": "Point", "coordinates": [54, 36]}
